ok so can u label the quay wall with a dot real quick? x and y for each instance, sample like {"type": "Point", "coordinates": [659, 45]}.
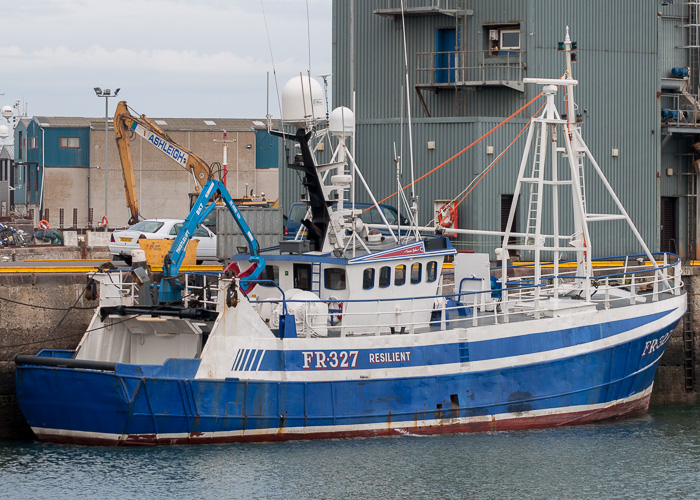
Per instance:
{"type": "Point", "coordinates": [51, 310]}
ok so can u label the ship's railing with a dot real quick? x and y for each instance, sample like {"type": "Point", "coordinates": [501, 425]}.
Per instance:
{"type": "Point", "coordinates": [115, 290]}
{"type": "Point", "coordinates": [627, 283]}
{"type": "Point", "coordinates": [201, 290]}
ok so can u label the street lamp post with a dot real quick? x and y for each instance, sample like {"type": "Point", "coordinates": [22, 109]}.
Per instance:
{"type": "Point", "coordinates": [106, 93]}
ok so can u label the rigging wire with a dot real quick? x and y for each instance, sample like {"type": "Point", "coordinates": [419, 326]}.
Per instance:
{"type": "Point", "coordinates": [467, 148]}
{"type": "Point", "coordinates": [274, 70]}
{"type": "Point", "coordinates": [475, 182]}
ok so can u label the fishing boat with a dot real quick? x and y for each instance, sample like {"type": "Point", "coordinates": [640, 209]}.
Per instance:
{"type": "Point", "coordinates": [350, 331]}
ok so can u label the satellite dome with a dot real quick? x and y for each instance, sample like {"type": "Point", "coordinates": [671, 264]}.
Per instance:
{"type": "Point", "coordinates": [4, 131]}
{"type": "Point", "coordinates": [302, 102]}
{"type": "Point", "coordinates": [342, 122]}
{"type": "Point", "coordinates": [7, 111]}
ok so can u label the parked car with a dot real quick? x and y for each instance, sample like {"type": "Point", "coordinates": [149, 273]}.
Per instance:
{"type": "Point", "coordinates": [123, 242]}
{"type": "Point", "coordinates": [298, 211]}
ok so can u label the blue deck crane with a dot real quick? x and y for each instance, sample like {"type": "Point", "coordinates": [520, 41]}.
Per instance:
{"type": "Point", "coordinates": [170, 289]}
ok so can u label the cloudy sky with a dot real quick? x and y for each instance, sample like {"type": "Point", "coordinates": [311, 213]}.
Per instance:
{"type": "Point", "coordinates": [170, 58]}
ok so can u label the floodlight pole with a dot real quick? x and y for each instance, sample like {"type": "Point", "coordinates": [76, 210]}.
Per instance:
{"type": "Point", "coordinates": [106, 94]}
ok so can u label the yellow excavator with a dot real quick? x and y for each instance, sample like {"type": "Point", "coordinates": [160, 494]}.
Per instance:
{"type": "Point", "coordinates": [126, 124]}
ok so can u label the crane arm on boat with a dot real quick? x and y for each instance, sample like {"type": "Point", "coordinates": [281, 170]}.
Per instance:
{"type": "Point", "coordinates": [170, 288]}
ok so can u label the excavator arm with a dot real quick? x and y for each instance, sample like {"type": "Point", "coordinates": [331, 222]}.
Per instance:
{"type": "Point", "coordinates": [125, 125]}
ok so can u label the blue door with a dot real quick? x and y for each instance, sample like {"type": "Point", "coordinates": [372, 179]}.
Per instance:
{"type": "Point", "coordinates": [445, 48]}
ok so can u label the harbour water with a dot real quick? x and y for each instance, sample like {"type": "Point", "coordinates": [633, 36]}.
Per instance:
{"type": "Point", "coordinates": [652, 456]}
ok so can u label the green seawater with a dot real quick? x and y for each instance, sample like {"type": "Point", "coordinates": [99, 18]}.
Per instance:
{"type": "Point", "coordinates": [652, 456]}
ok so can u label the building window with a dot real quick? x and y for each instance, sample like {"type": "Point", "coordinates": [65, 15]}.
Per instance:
{"type": "Point", "coordinates": [416, 272]}
{"type": "Point", "coordinates": [70, 142]}
{"type": "Point", "coordinates": [334, 278]}
{"type": "Point", "coordinates": [20, 145]}
{"type": "Point", "coordinates": [510, 40]}
{"type": "Point", "coordinates": [384, 277]}
{"type": "Point", "coordinates": [368, 278]}
{"type": "Point", "coordinates": [33, 143]}
{"type": "Point", "coordinates": [431, 269]}
{"type": "Point", "coordinates": [503, 40]}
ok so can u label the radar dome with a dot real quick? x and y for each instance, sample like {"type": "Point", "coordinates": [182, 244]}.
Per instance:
{"type": "Point", "coordinates": [7, 111]}
{"type": "Point", "coordinates": [4, 131]}
{"type": "Point", "coordinates": [302, 102]}
{"type": "Point", "coordinates": [342, 122]}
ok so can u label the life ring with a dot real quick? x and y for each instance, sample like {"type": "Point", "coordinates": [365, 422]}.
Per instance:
{"type": "Point", "coordinates": [242, 274]}
{"type": "Point", "coordinates": [44, 224]}
{"type": "Point", "coordinates": [335, 313]}
{"type": "Point", "coordinates": [104, 221]}
{"type": "Point", "coordinates": [445, 215]}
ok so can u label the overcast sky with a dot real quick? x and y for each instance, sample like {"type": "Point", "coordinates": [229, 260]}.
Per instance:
{"type": "Point", "coordinates": [170, 58]}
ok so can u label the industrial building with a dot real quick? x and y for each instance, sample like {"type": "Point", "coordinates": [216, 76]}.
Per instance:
{"type": "Point", "coordinates": [467, 61]}
{"type": "Point", "coordinates": [58, 172]}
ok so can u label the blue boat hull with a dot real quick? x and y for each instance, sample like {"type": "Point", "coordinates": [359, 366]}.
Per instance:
{"type": "Point", "coordinates": [165, 404]}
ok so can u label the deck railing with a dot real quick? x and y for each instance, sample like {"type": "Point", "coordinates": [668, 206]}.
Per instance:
{"type": "Point", "coordinates": [628, 282]}
{"type": "Point", "coordinates": [520, 300]}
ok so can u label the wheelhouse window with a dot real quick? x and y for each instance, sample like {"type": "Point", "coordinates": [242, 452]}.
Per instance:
{"type": "Point", "coordinates": [368, 278]}
{"type": "Point", "coordinates": [400, 275]}
{"type": "Point", "coordinates": [416, 272]}
{"type": "Point", "coordinates": [70, 142]}
{"type": "Point", "coordinates": [270, 273]}
{"type": "Point", "coordinates": [431, 270]}
{"type": "Point", "coordinates": [384, 277]}
{"type": "Point", "coordinates": [334, 278]}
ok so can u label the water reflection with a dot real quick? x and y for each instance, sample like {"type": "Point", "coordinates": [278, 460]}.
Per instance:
{"type": "Point", "coordinates": [654, 456]}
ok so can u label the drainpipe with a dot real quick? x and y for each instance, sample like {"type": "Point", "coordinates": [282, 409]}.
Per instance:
{"type": "Point", "coordinates": [87, 215]}
{"type": "Point", "coordinates": [43, 170]}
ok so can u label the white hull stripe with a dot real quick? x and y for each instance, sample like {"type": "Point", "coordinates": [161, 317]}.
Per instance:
{"type": "Point", "coordinates": [450, 368]}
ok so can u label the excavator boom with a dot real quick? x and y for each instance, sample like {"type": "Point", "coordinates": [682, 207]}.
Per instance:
{"type": "Point", "coordinates": [125, 125]}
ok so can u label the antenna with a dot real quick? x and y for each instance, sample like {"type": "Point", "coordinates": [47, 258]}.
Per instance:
{"type": "Point", "coordinates": [325, 86]}
{"type": "Point", "coordinates": [414, 198]}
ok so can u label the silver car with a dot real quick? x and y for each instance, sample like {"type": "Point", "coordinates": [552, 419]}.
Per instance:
{"type": "Point", "coordinates": [123, 242]}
